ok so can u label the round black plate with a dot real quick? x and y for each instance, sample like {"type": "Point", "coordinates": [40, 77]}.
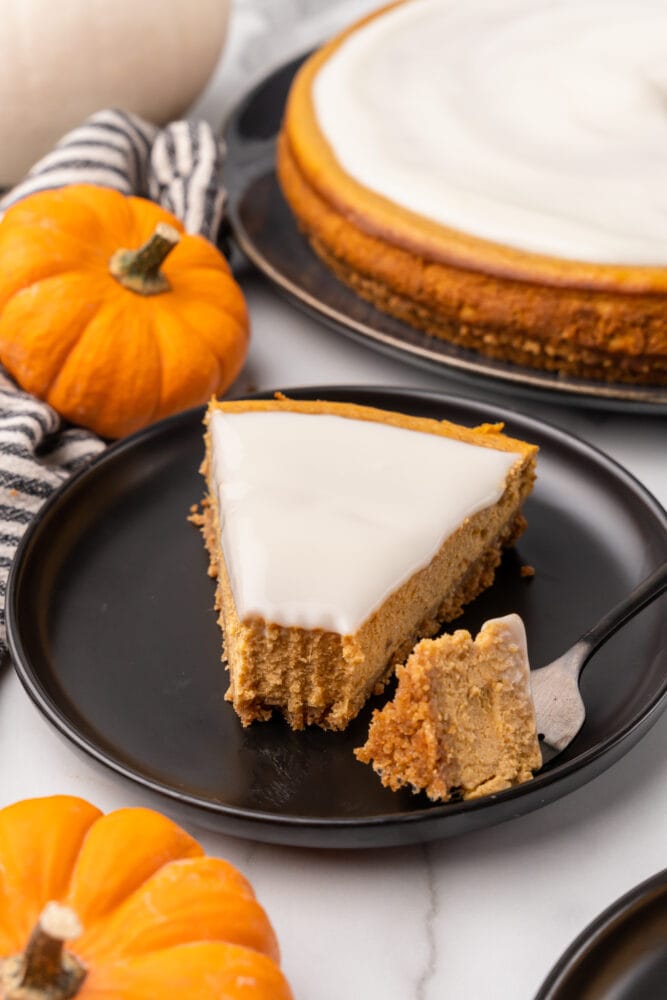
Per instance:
{"type": "Point", "coordinates": [113, 632]}
{"type": "Point", "coordinates": [622, 955]}
{"type": "Point", "coordinates": [265, 229]}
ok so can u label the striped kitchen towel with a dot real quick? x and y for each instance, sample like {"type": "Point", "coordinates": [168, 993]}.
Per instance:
{"type": "Point", "coordinates": [179, 167]}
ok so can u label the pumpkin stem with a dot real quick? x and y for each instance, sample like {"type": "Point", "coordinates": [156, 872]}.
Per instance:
{"type": "Point", "coordinates": [44, 971]}
{"type": "Point", "coordinates": [139, 270]}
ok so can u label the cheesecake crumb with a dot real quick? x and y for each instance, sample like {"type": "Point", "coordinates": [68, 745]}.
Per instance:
{"type": "Point", "coordinates": [462, 719]}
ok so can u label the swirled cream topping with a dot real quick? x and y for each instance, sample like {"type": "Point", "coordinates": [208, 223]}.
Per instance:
{"type": "Point", "coordinates": [536, 124]}
{"type": "Point", "coordinates": [323, 517]}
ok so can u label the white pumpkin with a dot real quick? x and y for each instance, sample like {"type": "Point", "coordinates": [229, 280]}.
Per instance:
{"type": "Point", "coordinates": [60, 60]}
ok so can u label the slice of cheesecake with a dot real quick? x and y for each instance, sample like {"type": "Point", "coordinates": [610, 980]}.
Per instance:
{"type": "Point", "coordinates": [462, 718]}
{"type": "Point", "coordinates": [340, 535]}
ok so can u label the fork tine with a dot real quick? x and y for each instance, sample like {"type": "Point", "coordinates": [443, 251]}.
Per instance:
{"type": "Point", "coordinates": [548, 752]}
{"type": "Point", "coordinates": [559, 708]}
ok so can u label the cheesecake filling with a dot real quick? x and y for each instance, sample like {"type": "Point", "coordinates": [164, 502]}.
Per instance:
{"type": "Point", "coordinates": [323, 517]}
{"type": "Point", "coordinates": [510, 632]}
{"type": "Point", "coordinates": [462, 720]}
{"type": "Point", "coordinates": [538, 125]}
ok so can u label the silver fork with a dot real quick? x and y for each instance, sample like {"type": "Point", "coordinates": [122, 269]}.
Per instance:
{"type": "Point", "coordinates": [559, 707]}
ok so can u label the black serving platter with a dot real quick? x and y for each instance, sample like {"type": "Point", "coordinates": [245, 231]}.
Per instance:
{"type": "Point", "coordinates": [113, 633]}
{"type": "Point", "coordinates": [266, 232]}
{"type": "Point", "coordinates": [622, 955]}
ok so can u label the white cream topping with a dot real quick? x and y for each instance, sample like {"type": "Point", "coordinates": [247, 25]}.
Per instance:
{"type": "Point", "coordinates": [322, 517]}
{"type": "Point", "coordinates": [537, 124]}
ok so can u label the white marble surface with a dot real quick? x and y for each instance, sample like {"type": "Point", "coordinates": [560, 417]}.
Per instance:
{"type": "Point", "coordinates": [481, 917]}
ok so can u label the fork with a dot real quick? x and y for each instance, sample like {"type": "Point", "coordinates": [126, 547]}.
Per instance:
{"type": "Point", "coordinates": [559, 707]}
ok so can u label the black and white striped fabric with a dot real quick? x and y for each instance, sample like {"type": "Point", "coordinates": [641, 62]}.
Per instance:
{"type": "Point", "coordinates": [111, 148]}
{"type": "Point", "coordinates": [179, 167]}
{"type": "Point", "coordinates": [184, 176]}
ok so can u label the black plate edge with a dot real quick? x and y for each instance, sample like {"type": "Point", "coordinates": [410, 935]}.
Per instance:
{"type": "Point", "coordinates": [256, 158]}
{"type": "Point", "coordinates": [592, 935]}
{"type": "Point", "coordinates": [275, 828]}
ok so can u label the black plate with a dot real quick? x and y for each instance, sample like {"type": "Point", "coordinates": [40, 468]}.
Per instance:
{"type": "Point", "coordinates": [266, 231]}
{"type": "Point", "coordinates": [622, 955]}
{"type": "Point", "coordinates": [113, 633]}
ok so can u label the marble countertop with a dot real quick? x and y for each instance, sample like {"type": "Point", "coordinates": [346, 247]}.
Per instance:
{"type": "Point", "coordinates": [480, 917]}
{"type": "Point", "coordinates": [477, 917]}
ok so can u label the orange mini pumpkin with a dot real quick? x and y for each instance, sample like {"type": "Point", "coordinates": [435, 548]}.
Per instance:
{"type": "Point", "coordinates": [150, 915]}
{"type": "Point", "coordinates": [110, 313]}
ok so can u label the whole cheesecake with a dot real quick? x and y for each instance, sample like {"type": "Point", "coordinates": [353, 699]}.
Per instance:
{"type": "Point", "coordinates": [342, 534]}
{"type": "Point", "coordinates": [495, 176]}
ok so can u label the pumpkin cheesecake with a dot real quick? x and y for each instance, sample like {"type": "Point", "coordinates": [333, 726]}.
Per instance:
{"type": "Point", "coordinates": [340, 535]}
{"type": "Point", "coordinates": [495, 176]}
{"type": "Point", "coordinates": [462, 719]}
